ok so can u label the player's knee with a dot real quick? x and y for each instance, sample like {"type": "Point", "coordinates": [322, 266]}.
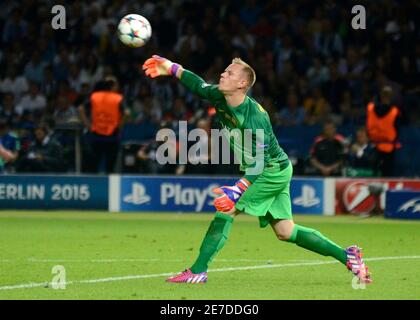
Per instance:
{"type": "Point", "coordinates": [284, 230]}
{"type": "Point", "coordinates": [282, 235]}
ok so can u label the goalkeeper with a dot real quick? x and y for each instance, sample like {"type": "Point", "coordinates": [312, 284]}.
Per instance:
{"type": "Point", "coordinates": [263, 194]}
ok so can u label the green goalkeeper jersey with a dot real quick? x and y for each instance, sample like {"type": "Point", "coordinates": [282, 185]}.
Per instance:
{"type": "Point", "coordinates": [248, 127]}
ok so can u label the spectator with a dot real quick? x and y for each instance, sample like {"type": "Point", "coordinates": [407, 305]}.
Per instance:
{"type": "Point", "coordinates": [382, 123]}
{"type": "Point", "coordinates": [10, 145]}
{"type": "Point", "coordinates": [188, 39]}
{"type": "Point", "coordinates": [32, 102]}
{"type": "Point", "coordinates": [362, 156]}
{"type": "Point", "coordinates": [14, 83]}
{"type": "Point", "coordinates": [74, 78]}
{"type": "Point", "coordinates": [293, 114]}
{"type": "Point", "coordinates": [83, 95]}
{"type": "Point", "coordinates": [44, 154]}
{"type": "Point", "coordinates": [334, 89]}
{"type": "Point", "coordinates": [178, 111]}
{"type": "Point", "coordinates": [352, 68]}
{"type": "Point", "coordinates": [106, 116]}
{"type": "Point", "coordinates": [92, 72]}
{"type": "Point", "coordinates": [317, 74]}
{"type": "Point", "coordinates": [250, 12]}
{"type": "Point", "coordinates": [61, 66]}
{"type": "Point", "coordinates": [5, 156]}
{"type": "Point", "coordinates": [327, 42]}
{"type": "Point", "coordinates": [147, 111]}
{"type": "Point", "coordinates": [350, 113]}
{"type": "Point", "coordinates": [7, 110]}
{"type": "Point", "coordinates": [34, 69]}
{"type": "Point", "coordinates": [147, 154]}
{"type": "Point", "coordinates": [327, 151]}
{"type": "Point", "coordinates": [65, 112]}
{"type": "Point", "coordinates": [49, 85]}
{"type": "Point", "coordinates": [316, 107]}
{"type": "Point", "coordinates": [15, 27]}
{"type": "Point", "coordinates": [243, 39]}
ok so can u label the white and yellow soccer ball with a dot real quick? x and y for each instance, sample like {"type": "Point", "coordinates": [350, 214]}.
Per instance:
{"type": "Point", "coordinates": [134, 30]}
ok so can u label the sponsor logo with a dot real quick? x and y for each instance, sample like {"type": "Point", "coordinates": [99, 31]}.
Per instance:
{"type": "Point", "coordinates": [358, 198]}
{"type": "Point", "coordinates": [413, 203]}
{"type": "Point", "coordinates": [308, 197]}
{"type": "Point", "coordinates": [138, 194]}
{"type": "Point", "coordinates": [175, 193]}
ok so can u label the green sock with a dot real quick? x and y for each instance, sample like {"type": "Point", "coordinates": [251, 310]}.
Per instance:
{"type": "Point", "coordinates": [313, 240]}
{"type": "Point", "coordinates": [214, 240]}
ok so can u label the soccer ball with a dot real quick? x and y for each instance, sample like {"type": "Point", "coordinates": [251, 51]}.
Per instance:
{"type": "Point", "coordinates": [134, 30]}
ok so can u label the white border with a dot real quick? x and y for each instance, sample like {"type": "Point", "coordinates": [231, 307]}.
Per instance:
{"type": "Point", "coordinates": [329, 196]}
{"type": "Point", "coordinates": [114, 192]}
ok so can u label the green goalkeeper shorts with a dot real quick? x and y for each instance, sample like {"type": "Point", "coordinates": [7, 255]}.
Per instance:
{"type": "Point", "coordinates": [268, 197]}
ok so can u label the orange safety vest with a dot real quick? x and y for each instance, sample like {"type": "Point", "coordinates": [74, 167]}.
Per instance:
{"type": "Point", "coordinates": [381, 130]}
{"type": "Point", "coordinates": [105, 112]}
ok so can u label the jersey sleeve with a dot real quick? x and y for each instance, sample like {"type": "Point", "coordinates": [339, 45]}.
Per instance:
{"type": "Point", "coordinates": [251, 177]}
{"type": "Point", "coordinates": [198, 86]}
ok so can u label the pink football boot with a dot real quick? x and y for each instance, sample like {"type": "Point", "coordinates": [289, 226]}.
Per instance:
{"type": "Point", "coordinates": [188, 277]}
{"type": "Point", "coordinates": [356, 265]}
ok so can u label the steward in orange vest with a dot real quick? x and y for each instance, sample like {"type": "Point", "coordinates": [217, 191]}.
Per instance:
{"type": "Point", "coordinates": [105, 112]}
{"type": "Point", "coordinates": [381, 122]}
{"type": "Point", "coordinates": [382, 130]}
{"type": "Point", "coordinates": [381, 125]}
{"type": "Point", "coordinates": [106, 119]}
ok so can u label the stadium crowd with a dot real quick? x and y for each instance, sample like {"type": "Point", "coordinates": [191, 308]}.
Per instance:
{"type": "Point", "coordinates": [312, 69]}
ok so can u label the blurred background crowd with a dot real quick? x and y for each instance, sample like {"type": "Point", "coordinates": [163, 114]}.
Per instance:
{"type": "Point", "coordinates": [315, 77]}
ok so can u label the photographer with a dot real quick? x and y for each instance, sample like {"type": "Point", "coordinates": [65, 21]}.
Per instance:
{"type": "Point", "coordinates": [44, 154]}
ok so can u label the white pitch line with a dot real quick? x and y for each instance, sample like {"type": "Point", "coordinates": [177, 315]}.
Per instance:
{"type": "Point", "coordinates": [146, 276]}
{"type": "Point", "coordinates": [34, 260]}
{"type": "Point", "coordinates": [102, 260]}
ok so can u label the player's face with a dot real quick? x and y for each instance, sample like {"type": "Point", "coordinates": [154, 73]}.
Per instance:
{"type": "Point", "coordinates": [232, 79]}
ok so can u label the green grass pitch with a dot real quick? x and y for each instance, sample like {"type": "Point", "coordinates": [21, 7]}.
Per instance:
{"type": "Point", "coordinates": [127, 256]}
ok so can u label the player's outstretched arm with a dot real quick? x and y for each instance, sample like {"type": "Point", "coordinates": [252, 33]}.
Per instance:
{"type": "Point", "coordinates": [158, 66]}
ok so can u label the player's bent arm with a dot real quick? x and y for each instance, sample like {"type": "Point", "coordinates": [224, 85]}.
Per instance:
{"type": "Point", "coordinates": [83, 117]}
{"type": "Point", "coordinates": [159, 66]}
{"type": "Point", "coordinates": [5, 154]}
{"type": "Point", "coordinates": [229, 195]}
{"type": "Point", "coordinates": [336, 165]}
{"type": "Point", "coordinates": [318, 165]}
{"type": "Point", "coordinates": [15, 155]}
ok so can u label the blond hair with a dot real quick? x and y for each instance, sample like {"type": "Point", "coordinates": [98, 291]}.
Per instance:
{"type": "Point", "coordinates": [248, 70]}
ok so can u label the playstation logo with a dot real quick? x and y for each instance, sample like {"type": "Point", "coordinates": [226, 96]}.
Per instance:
{"type": "Point", "coordinates": [138, 194]}
{"type": "Point", "coordinates": [307, 198]}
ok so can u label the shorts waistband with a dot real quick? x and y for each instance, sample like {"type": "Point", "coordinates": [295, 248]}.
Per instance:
{"type": "Point", "coordinates": [282, 164]}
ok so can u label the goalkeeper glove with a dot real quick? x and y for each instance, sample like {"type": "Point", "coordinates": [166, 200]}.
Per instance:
{"type": "Point", "coordinates": [229, 195]}
{"type": "Point", "coordinates": [158, 66]}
